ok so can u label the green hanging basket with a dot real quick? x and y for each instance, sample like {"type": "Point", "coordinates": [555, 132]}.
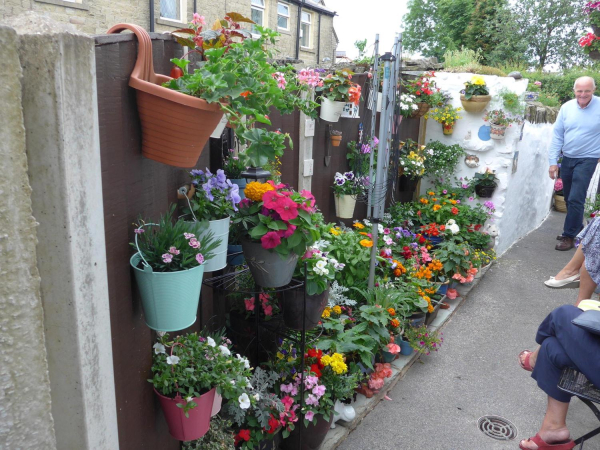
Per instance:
{"type": "Point", "coordinates": [170, 299]}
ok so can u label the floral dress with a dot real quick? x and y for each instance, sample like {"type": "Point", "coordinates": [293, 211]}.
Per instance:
{"type": "Point", "coordinates": [590, 242]}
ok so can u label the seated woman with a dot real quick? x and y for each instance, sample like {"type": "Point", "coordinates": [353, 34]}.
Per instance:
{"type": "Point", "coordinates": [562, 344]}
{"type": "Point", "coordinates": [583, 270]}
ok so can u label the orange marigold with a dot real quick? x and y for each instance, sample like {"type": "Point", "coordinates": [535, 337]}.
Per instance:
{"type": "Point", "coordinates": [391, 311]}
{"type": "Point", "coordinates": [395, 323]}
{"type": "Point", "coordinates": [437, 207]}
{"type": "Point", "coordinates": [430, 308]}
{"type": "Point", "coordinates": [453, 202]}
{"type": "Point", "coordinates": [424, 201]}
{"type": "Point", "coordinates": [255, 190]}
{"type": "Point", "coordinates": [366, 243]}
{"type": "Point", "coordinates": [358, 225]}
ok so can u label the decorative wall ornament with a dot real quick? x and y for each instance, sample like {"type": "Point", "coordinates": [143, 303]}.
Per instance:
{"type": "Point", "coordinates": [472, 161]}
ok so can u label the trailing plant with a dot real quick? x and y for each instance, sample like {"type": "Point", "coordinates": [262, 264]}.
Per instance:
{"type": "Point", "coordinates": [441, 159]}
{"type": "Point", "coordinates": [412, 159]}
{"type": "Point", "coordinates": [218, 437]}
{"type": "Point", "coordinates": [423, 340]}
{"type": "Point", "coordinates": [512, 102]}
{"type": "Point", "coordinates": [408, 105]}
{"type": "Point", "coordinates": [173, 246]}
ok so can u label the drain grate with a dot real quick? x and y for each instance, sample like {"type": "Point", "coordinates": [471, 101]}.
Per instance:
{"type": "Point", "coordinates": [497, 427]}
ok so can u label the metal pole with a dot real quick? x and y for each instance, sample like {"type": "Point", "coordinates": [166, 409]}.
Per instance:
{"type": "Point", "coordinates": [383, 144]}
{"type": "Point", "coordinates": [375, 88]}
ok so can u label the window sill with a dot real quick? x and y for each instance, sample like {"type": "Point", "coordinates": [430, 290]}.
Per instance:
{"type": "Point", "coordinates": [284, 31]}
{"type": "Point", "coordinates": [66, 4]}
{"type": "Point", "coordinates": [307, 50]}
{"type": "Point", "coordinates": [170, 23]}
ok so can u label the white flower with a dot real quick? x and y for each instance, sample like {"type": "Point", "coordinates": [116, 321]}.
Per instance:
{"type": "Point", "coordinates": [325, 271]}
{"type": "Point", "coordinates": [452, 226]}
{"type": "Point", "coordinates": [159, 348]}
{"type": "Point", "coordinates": [224, 350]}
{"type": "Point", "coordinates": [244, 401]}
{"type": "Point", "coordinates": [172, 360]}
{"type": "Point", "coordinates": [188, 399]}
{"type": "Point", "coordinates": [380, 228]}
{"type": "Point", "coordinates": [211, 341]}
{"type": "Point", "coordinates": [430, 151]}
{"type": "Point", "coordinates": [232, 382]}
{"type": "Point", "coordinates": [256, 397]}
{"type": "Point", "coordinates": [320, 264]}
{"type": "Point", "coordinates": [367, 223]}
{"type": "Point", "coordinates": [244, 360]}
{"type": "Point", "coordinates": [451, 222]}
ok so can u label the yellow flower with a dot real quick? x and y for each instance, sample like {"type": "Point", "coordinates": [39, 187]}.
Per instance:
{"type": "Point", "coordinates": [326, 314]}
{"type": "Point", "coordinates": [326, 360]}
{"type": "Point", "coordinates": [453, 202]}
{"type": "Point", "coordinates": [339, 367]}
{"type": "Point", "coordinates": [255, 190]}
{"type": "Point", "coordinates": [334, 231]}
{"type": "Point", "coordinates": [337, 309]}
{"type": "Point", "coordinates": [358, 225]}
{"type": "Point", "coordinates": [366, 243]}
{"type": "Point", "coordinates": [478, 80]}
{"type": "Point", "coordinates": [437, 207]}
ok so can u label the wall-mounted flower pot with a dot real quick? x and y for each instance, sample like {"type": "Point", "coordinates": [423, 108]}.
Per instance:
{"type": "Point", "coordinates": [267, 267]}
{"type": "Point", "coordinates": [175, 126]}
{"type": "Point", "coordinates": [220, 230]}
{"type": "Point", "coordinates": [448, 128]}
{"type": "Point", "coordinates": [335, 140]}
{"type": "Point", "coordinates": [477, 103]}
{"type": "Point", "coordinates": [169, 299]}
{"type": "Point", "coordinates": [330, 110]}
{"type": "Point", "coordinates": [421, 111]}
{"type": "Point", "coordinates": [344, 206]}
{"type": "Point", "coordinates": [189, 428]}
{"type": "Point", "coordinates": [485, 191]}
{"type": "Point", "coordinates": [594, 54]}
{"type": "Point", "coordinates": [531, 96]}
{"type": "Point", "coordinates": [497, 131]}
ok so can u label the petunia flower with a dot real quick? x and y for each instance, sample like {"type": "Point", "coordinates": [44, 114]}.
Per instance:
{"type": "Point", "coordinates": [270, 240]}
{"type": "Point", "coordinates": [244, 401]}
{"type": "Point", "coordinates": [159, 348]}
{"type": "Point", "coordinates": [172, 360]}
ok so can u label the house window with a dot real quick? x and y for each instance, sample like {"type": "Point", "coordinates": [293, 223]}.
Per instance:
{"type": "Point", "coordinates": [257, 14]}
{"type": "Point", "coordinates": [283, 16]}
{"type": "Point", "coordinates": [171, 10]}
{"type": "Point", "coordinates": [305, 20]}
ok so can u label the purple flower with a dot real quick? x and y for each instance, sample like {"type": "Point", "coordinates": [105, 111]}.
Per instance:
{"type": "Point", "coordinates": [349, 176]}
{"type": "Point", "coordinates": [365, 149]}
{"type": "Point", "coordinates": [200, 258]}
{"type": "Point", "coordinates": [489, 205]}
{"type": "Point", "coordinates": [309, 415]}
{"type": "Point", "coordinates": [457, 202]}
{"type": "Point", "coordinates": [465, 186]}
{"type": "Point", "coordinates": [445, 191]}
{"type": "Point", "coordinates": [194, 243]}
{"type": "Point", "coordinates": [340, 181]}
{"type": "Point", "coordinates": [375, 140]}
{"type": "Point", "coordinates": [196, 173]}
{"type": "Point", "coordinates": [471, 199]}
{"type": "Point", "coordinates": [312, 400]}
{"type": "Point", "coordinates": [167, 258]}
{"type": "Point", "coordinates": [139, 231]}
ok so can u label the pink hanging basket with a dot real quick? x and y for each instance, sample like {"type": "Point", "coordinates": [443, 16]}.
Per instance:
{"type": "Point", "coordinates": [188, 428]}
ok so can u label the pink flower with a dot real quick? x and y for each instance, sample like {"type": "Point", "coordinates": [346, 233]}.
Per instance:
{"type": "Point", "coordinates": [189, 235]}
{"type": "Point", "coordinates": [309, 415]}
{"type": "Point", "coordinates": [200, 258]}
{"type": "Point", "coordinates": [287, 209]}
{"type": "Point", "coordinates": [451, 294]}
{"type": "Point", "coordinates": [312, 400]}
{"type": "Point", "coordinates": [376, 382]}
{"type": "Point", "coordinates": [287, 400]}
{"type": "Point", "coordinates": [270, 199]}
{"type": "Point", "coordinates": [469, 278]}
{"type": "Point", "coordinates": [264, 298]}
{"type": "Point", "coordinates": [198, 19]}
{"type": "Point", "coordinates": [290, 230]}
{"type": "Point", "coordinates": [270, 240]}
{"type": "Point", "coordinates": [319, 391]}
{"type": "Point", "coordinates": [249, 304]}
{"type": "Point", "coordinates": [194, 243]}
{"type": "Point", "coordinates": [139, 231]}
{"type": "Point", "coordinates": [167, 258]}
{"type": "Point", "coordinates": [311, 381]}
{"type": "Point", "coordinates": [309, 253]}
{"type": "Point", "coordinates": [174, 251]}
{"type": "Point", "coordinates": [394, 349]}
{"type": "Point", "coordinates": [268, 310]}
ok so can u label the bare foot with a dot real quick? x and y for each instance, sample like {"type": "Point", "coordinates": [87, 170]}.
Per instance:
{"type": "Point", "coordinates": [549, 436]}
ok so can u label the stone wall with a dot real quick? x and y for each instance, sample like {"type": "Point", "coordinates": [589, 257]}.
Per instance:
{"type": "Point", "coordinates": [97, 16]}
{"type": "Point", "coordinates": [524, 193]}
{"type": "Point", "coordinates": [25, 405]}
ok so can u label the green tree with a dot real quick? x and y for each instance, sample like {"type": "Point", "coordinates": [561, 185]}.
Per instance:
{"type": "Point", "coordinates": [475, 35]}
{"type": "Point", "coordinates": [433, 26]}
{"type": "Point", "coordinates": [547, 30]}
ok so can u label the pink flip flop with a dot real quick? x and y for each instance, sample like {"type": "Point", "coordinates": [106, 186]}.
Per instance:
{"type": "Point", "coordinates": [542, 445]}
{"type": "Point", "coordinates": [524, 362]}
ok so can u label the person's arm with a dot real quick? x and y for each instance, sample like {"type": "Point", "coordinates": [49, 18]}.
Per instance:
{"type": "Point", "coordinates": [558, 139]}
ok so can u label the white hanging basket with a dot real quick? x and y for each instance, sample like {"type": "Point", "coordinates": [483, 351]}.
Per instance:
{"type": "Point", "coordinates": [330, 110]}
{"type": "Point", "coordinates": [344, 206]}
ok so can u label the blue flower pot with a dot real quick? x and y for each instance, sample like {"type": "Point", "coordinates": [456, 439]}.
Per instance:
{"type": "Point", "coordinates": [442, 288]}
{"type": "Point", "coordinates": [435, 240]}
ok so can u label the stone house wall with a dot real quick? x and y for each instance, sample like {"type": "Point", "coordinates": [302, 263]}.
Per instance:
{"type": "Point", "coordinates": [97, 16]}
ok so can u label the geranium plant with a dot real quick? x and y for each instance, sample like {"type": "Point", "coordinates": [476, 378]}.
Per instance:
{"type": "Point", "coordinates": [215, 196]}
{"type": "Point", "coordinates": [475, 87]}
{"type": "Point", "coordinates": [348, 184]}
{"type": "Point", "coordinates": [592, 9]}
{"type": "Point", "coordinates": [446, 115]}
{"type": "Point", "coordinates": [279, 217]}
{"type": "Point", "coordinates": [455, 255]}
{"type": "Point", "coordinates": [338, 87]}
{"type": "Point", "coordinates": [423, 89]}
{"type": "Point", "coordinates": [190, 365]}
{"type": "Point", "coordinates": [173, 246]}
{"type": "Point", "coordinates": [498, 117]}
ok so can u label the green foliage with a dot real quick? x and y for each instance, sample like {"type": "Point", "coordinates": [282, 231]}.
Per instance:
{"type": "Point", "coordinates": [423, 340]}
{"type": "Point", "coordinates": [561, 84]}
{"type": "Point", "coordinates": [218, 437]}
{"type": "Point", "coordinates": [454, 254]}
{"type": "Point", "coordinates": [441, 159]}
{"type": "Point", "coordinates": [461, 58]}
{"type": "Point", "coordinates": [591, 206]}
{"type": "Point", "coordinates": [475, 33]}
{"type": "Point", "coordinates": [548, 99]}
{"type": "Point", "coordinates": [511, 102]}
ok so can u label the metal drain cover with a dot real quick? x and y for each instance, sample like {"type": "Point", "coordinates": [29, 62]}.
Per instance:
{"type": "Point", "coordinates": [497, 427]}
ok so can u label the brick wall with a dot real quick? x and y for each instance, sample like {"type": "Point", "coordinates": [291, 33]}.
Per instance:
{"type": "Point", "coordinates": [97, 16]}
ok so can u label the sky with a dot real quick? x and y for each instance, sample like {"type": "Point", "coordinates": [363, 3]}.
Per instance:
{"type": "Point", "coordinates": [358, 20]}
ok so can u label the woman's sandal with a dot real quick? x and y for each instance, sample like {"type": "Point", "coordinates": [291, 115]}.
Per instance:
{"type": "Point", "coordinates": [524, 361]}
{"type": "Point", "coordinates": [543, 445]}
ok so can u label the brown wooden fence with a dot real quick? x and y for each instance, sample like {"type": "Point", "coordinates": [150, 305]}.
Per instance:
{"type": "Point", "coordinates": [133, 186]}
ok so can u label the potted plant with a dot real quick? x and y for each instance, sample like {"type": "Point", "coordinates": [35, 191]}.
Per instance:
{"type": "Point", "coordinates": [499, 121]}
{"type": "Point", "coordinates": [362, 62]}
{"type": "Point", "coordinates": [335, 137]}
{"type": "Point", "coordinates": [346, 187]}
{"type": "Point", "coordinates": [408, 105]}
{"type": "Point", "coordinates": [234, 165]}
{"type": "Point", "coordinates": [168, 266]}
{"type": "Point", "coordinates": [590, 43]}
{"type": "Point", "coordinates": [425, 92]}
{"type": "Point", "coordinates": [337, 90]}
{"type": "Point", "coordinates": [441, 159]}
{"type": "Point", "coordinates": [475, 96]}
{"type": "Point", "coordinates": [276, 225]}
{"type": "Point", "coordinates": [302, 308]}
{"type": "Point", "coordinates": [446, 115]}
{"type": "Point", "coordinates": [559, 199]}
{"type": "Point", "coordinates": [218, 437]}
{"type": "Point", "coordinates": [592, 9]}
{"type": "Point", "coordinates": [412, 159]}
{"type": "Point", "coordinates": [215, 199]}
{"type": "Point", "coordinates": [455, 256]}
{"type": "Point", "coordinates": [423, 340]}
{"type": "Point", "coordinates": [267, 414]}
{"type": "Point", "coordinates": [187, 372]}
{"type": "Point", "coordinates": [533, 92]}
{"type": "Point", "coordinates": [485, 183]}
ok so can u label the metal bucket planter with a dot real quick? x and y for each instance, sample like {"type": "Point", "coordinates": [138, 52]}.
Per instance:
{"type": "Point", "coordinates": [405, 348]}
{"type": "Point", "coordinates": [234, 255]}
{"type": "Point", "coordinates": [344, 206]}
{"type": "Point", "coordinates": [188, 428]}
{"type": "Point", "coordinates": [442, 288]}
{"type": "Point", "coordinates": [293, 308]}
{"type": "Point", "coordinates": [220, 230]}
{"type": "Point", "coordinates": [330, 110]}
{"type": "Point", "coordinates": [170, 299]}
{"type": "Point", "coordinates": [416, 319]}
{"type": "Point", "coordinates": [175, 126]}
{"type": "Point", "coordinates": [267, 267]}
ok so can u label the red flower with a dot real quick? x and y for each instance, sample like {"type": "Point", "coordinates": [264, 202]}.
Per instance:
{"type": "Point", "coordinates": [273, 425]}
{"type": "Point", "coordinates": [454, 210]}
{"type": "Point", "coordinates": [315, 369]}
{"type": "Point", "coordinates": [314, 353]}
{"type": "Point", "coordinates": [245, 94]}
{"type": "Point", "coordinates": [422, 240]}
{"type": "Point", "coordinates": [478, 227]}
{"type": "Point", "coordinates": [270, 240]}
{"type": "Point", "coordinates": [243, 435]}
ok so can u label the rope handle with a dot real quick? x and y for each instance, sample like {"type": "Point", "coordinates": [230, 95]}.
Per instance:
{"type": "Point", "coordinates": [138, 247]}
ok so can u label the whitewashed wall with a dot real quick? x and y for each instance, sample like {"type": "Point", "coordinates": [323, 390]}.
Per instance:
{"type": "Point", "coordinates": [523, 198]}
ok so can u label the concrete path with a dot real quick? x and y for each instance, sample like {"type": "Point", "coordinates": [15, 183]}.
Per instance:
{"type": "Point", "coordinates": [437, 403]}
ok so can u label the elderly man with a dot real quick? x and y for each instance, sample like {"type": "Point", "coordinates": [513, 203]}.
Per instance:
{"type": "Point", "coordinates": [577, 134]}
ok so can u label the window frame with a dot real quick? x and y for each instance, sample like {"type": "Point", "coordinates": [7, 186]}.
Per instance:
{"type": "Point", "coordinates": [75, 4]}
{"type": "Point", "coordinates": [288, 17]}
{"type": "Point", "coordinates": [263, 11]}
{"type": "Point", "coordinates": [182, 14]}
{"type": "Point", "coordinates": [309, 23]}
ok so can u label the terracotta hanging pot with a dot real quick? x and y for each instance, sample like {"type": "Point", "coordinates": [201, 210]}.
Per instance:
{"type": "Point", "coordinates": [175, 126]}
{"type": "Point", "coordinates": [335, 140]}
{"type": "Point", "coordinates": [477, 103]}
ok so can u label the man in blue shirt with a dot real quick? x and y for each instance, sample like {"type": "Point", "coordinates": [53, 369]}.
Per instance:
{"type": "Point", "coordinates": [577, 134]}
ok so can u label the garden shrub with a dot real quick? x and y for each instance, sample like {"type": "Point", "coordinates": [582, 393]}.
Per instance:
{"type": "Point", "coordinates": [561, 84]}
{"type": "Point", "coordinates": [462, 58]}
